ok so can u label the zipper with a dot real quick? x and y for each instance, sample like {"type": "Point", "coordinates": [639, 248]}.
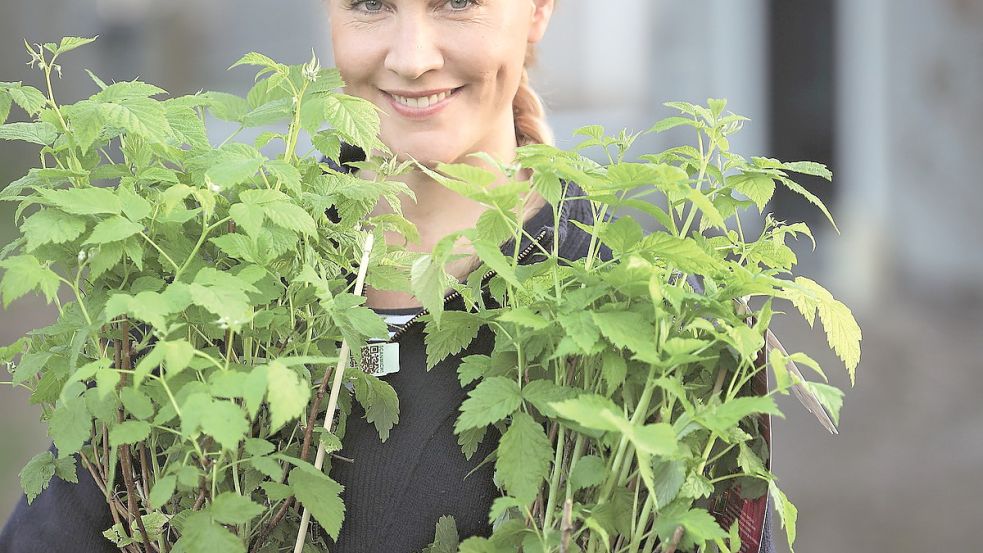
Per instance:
{"type": "Point", "coordinates": [455, 294]}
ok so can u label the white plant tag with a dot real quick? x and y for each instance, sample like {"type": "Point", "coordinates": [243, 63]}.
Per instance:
{"type": "Point", "coordinates": [380, 359]}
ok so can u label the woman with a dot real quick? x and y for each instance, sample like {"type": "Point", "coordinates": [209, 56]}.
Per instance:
{"type": "Point", "coordinates": [450, 77]}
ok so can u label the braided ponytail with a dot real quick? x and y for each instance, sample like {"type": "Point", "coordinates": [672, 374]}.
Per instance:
{"type": "Point", "coordinates": [528, 111]}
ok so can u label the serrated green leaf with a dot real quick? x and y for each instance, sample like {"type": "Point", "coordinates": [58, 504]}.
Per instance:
{"type": "Point", "coordinates": [30, 99]}
{"type": "Point", "coordinates": [843, 334]}
{"type": "Point", "coordinates": [286, 393]}
{"type": "Point", "coordinates": [84, 201]}
{"type": "Point", "coordinates": [36, 475]}
{"type": "Point", "coordinates": [163, 490]}
{"type": "Point", "coordinates": [541, 393]}
{"type": "Point", "coordinates": [43, 133]}
{"type": "Point", "coordinates": [50, 226]}
{"type": "Point", "coordinates": [588, 472]}
{"type": "Point", "coordinates": [23, 274]}
{"type": "Point", "coordinates": [524, 457]}
{"type": "Point", "coordinates": [787, 513]}
{"type": "Point", "coordinates": [70, 43]}
{"type": "Point", "coordinates": [592, 411]}
{"type": "Point", "coordinates": [232, 508]}
{"type": "Point", "coordinates": [129, 432]}
{"type": "Point", "coordinates": [225, 421]}
{"type": "Point", "coordinates": [456, 331]}
{"type": "Point", "coordinates": [758, 187]}
{"type": "Point", "coordinates": [378, 398]}
{"type": "Point", "coordinates": [724, 416]}
{"type": "Point", "coordinates": [200, 534]}
{"type": "Point", "coordinates": [113, 229]}
{"type": "Point", "coordinates": [136, 403]}
{"type": "Point", "coordinates": [490, 401]}
{"type": "Point", "coordinates": [356, 119]}
{"type": "Point", "coordinates": [321, 495]}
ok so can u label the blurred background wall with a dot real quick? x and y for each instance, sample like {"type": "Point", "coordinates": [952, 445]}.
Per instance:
{"type": "Point", "coordinates": [885, 93]}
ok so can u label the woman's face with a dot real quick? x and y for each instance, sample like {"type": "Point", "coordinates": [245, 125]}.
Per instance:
{"type": "Point", "coordinates": [444, 72]}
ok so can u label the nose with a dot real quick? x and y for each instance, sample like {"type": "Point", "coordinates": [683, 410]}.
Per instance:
{"type": "Point", "coordinates": [414, 47]}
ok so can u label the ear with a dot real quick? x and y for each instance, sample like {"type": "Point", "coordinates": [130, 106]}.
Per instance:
{"type": "Point", "coordinates": [542, 10]}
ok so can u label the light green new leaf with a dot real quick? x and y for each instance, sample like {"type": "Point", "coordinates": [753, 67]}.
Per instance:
{"type": "Point", "coordinates": [28, 98]}
{"type": "Point", "coordinates": [830, 396]}
{"type": "Point", "coordinates": [842, 331]}
{"type": "Point", "coordinates": [524, 457]}
{"type": "Point", "coordinates": [788, 514]}
{"type": "Point", "coordinates": [758, 187]}
{"type": "Point", "coordinates": [51, 226]}
{"type": "Point", "coordinates": [232, 508]}
{"type": "Point", "coordinates": [113, 229]}
{"type": "Point", "coordinates": [225, 421]}
{"type": "Point", "coordinates": [129, 432]}
{"type": "Point", "coordinates": [287, 394]}
{"type": "Point", "coordinates": [84, 201]}
{"type": "Point", "coordinates": [592, 411]}
{"type": "Point", "coordinates": [23, 274]}
{"type": "Point", "coordinates": [70, 43]}
{"type": "Point", "coordinates": [496, 260]}
{"type": "Point", "coordinates": [43, 133]}
{"type": "Point", "coordinates": [427, 279]}
{"type": "Point", "coordinates": [356, 119]}
{"type": "Point", "coordinates": [490, 401]}
{"type": "Point", "coordinates": [136, 402]}
{"type": "Point", "coordinates": [321, 495]}
{"type": "Point", "coordinates": [724, 416]}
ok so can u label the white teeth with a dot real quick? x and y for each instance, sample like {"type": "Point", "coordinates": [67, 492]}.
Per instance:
{"type": "Point", "coordinates": [423, 102]}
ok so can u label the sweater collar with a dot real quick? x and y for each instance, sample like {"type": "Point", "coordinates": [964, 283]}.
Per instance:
{"type": "Point", "coordinates": [576, 206]}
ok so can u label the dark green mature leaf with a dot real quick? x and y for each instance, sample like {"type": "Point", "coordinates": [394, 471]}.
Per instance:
{"type": "Point", "coordinates": [232, 508]}
{"type": "Point", "coordinates": [490, 401]}
{"type": "Point", "coordinates": [34, 477]}
{"type": "Point", "coordinates": [455, 332]}
{"type": "Point", "coordinates": [524, 457]}
{"type": "Point", "coordinates": [446, 539]}
{"type": "Point", "coordinates": [320, 494]}
{"type": "Point", "coordinates": [541, 393]}
{"type": "Point", "coordinates": [378, 398]}
{"type": "Point", "coordinates": [588, 472]}
{"type": "Point", "coordinates": [70, 426]}
{"type": "Point", "coordinates": [201, 534]}
{"type": "Point", "coordinates": [129, 432]}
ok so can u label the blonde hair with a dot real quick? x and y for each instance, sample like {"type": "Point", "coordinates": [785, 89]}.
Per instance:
{"type": "Point", "coordinates": [528, 111]}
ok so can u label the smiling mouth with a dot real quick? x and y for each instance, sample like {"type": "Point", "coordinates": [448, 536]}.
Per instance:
{"type": "Point", "coordinates": [423, 102]}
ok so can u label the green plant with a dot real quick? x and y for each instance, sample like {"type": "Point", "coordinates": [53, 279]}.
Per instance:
{"type": "Point", "coordinates": [206, 299]}
{"type": "Point", "coordinates": [624, 399]}
{"type": "Point", "coordinates": [204, 304]}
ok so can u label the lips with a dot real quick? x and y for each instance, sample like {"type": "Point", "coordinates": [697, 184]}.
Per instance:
{"type": "Point", "coordinates": [420, 104]}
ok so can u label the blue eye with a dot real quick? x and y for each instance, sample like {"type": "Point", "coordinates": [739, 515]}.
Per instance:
{"type": "Point", "coordinates": [376, 3]}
